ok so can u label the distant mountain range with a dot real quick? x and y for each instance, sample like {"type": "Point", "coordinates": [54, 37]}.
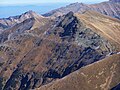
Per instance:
{"type": "Point", "coordinates": [64, 51]}
{"type": "Point", "coordinates": [110, 8]}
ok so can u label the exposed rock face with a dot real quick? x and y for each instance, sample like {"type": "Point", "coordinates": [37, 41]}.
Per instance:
{"type": "Point", "coordinates": [98, 76]}
{"type": "Point", "coordinates": [34, 57]}
{"type": "Point", "coordinates": [110, 8]}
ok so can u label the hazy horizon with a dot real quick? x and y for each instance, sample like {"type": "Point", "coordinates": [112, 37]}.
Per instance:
{"type": "Point", "coordinates": [14, 8]}
{"type": "Point", "coordinates": [37, 2]}
{"type": "Point", "coordinates": [8, 11]}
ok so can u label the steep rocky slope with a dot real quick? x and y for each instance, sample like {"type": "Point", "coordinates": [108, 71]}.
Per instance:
{"type": "Point", "coordinates": [111, 8]}
{"type": "Point", "coordinates": [34, 57]}
{"type": "Point", "coordinates": [102, 75]}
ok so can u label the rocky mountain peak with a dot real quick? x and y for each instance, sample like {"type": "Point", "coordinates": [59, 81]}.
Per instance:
{"type": "Point", "coordinates": [77, 3]}
{"type": "Point", "coordinates": [70, 14]}
{"type": "Point", "coordinates": [13, 20]}
{"type": "Point", "coordinates": [31, 13]}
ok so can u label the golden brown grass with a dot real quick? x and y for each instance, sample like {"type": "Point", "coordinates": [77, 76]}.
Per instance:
{"type": "Point", "coordinates": [101, 75]}
{"type": "Point", "coordinates": [104, 25]}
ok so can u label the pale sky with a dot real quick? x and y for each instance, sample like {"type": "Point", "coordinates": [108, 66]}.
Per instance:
{"type": "Point", "coordinates": [20, 2]}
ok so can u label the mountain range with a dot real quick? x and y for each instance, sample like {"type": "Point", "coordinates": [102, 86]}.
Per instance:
{"type": "Point", "coordinates": [64, 49]}
{"type": "Point", "coordinates": [110, 8]}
